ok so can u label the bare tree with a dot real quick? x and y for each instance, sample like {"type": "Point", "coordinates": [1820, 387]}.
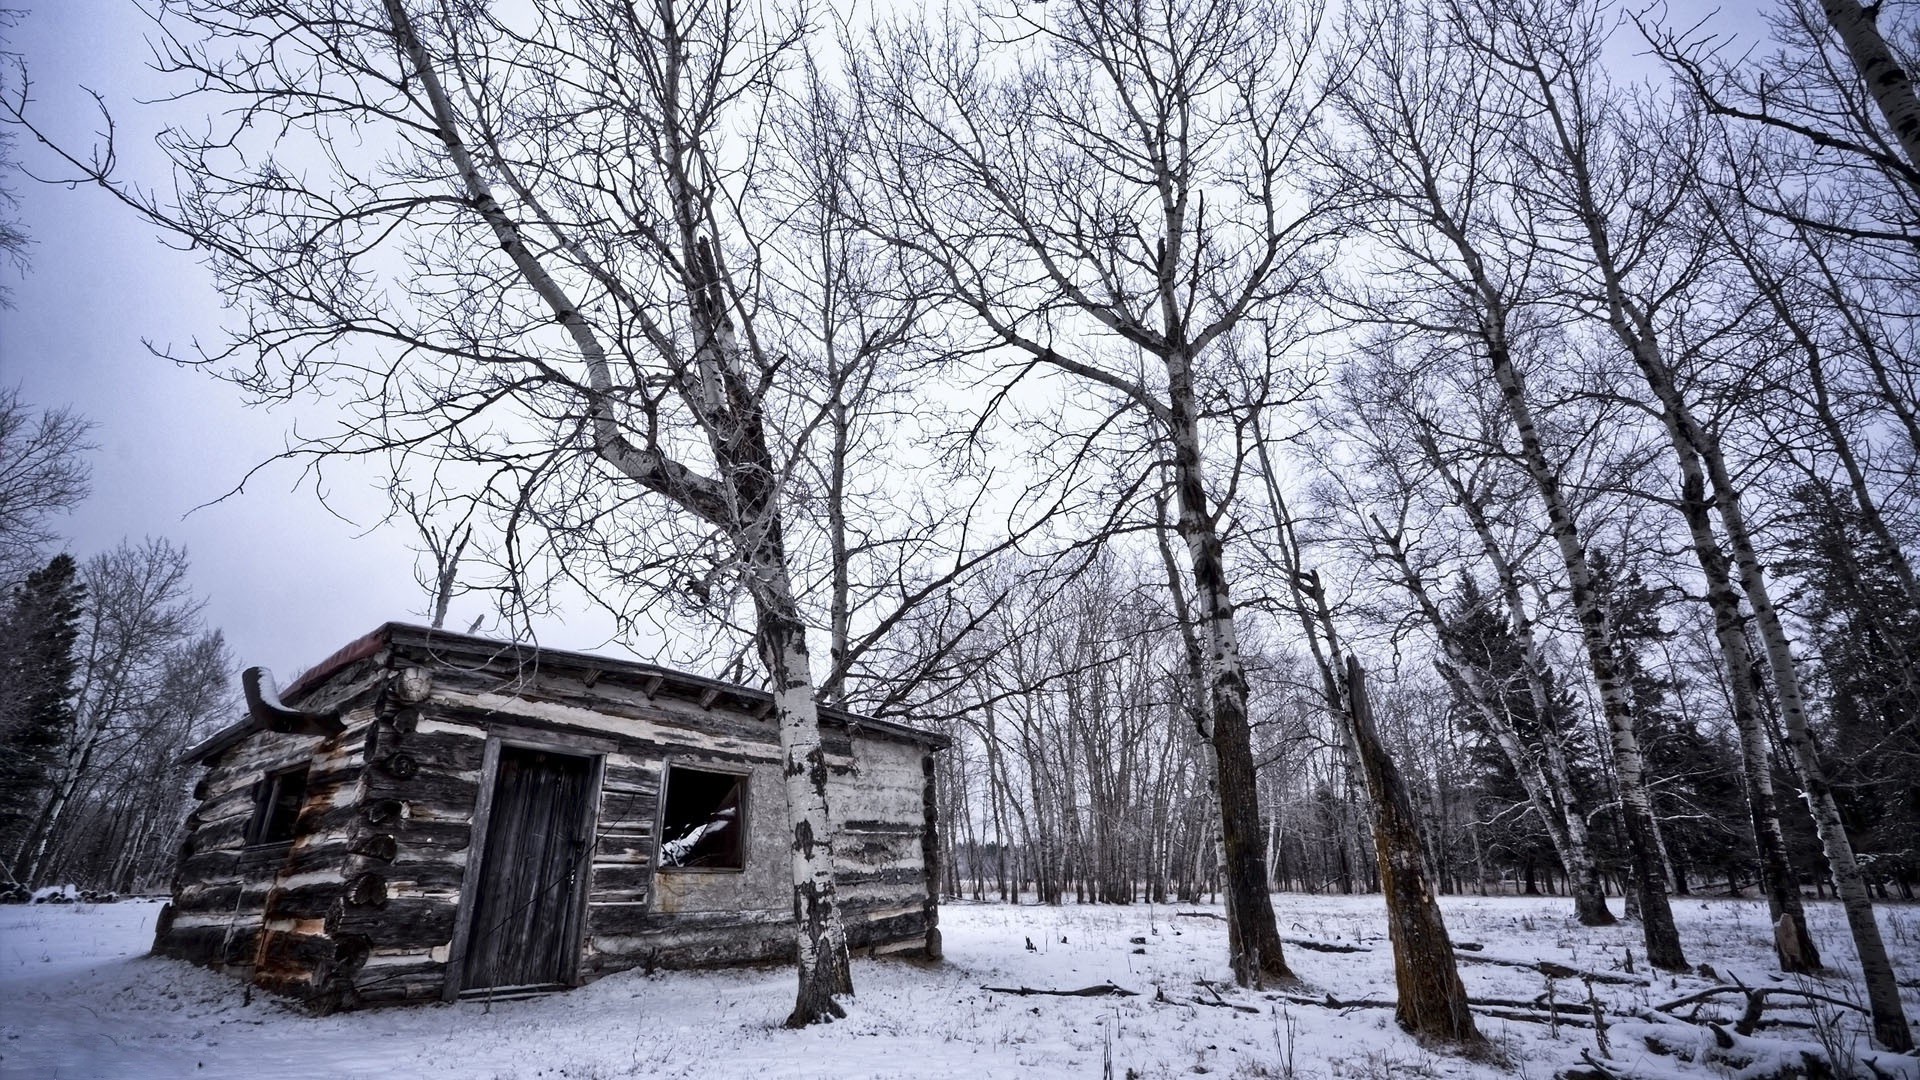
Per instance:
{"type": "Point", "coordinates": [1432, 1001]}
{"type": "Point", "coordinates": [552, 270]}
{"type": "Point", "coordinates": [1407, 475]}
{"type": "Point", "coordinates": [139, 608]}
{"type": "Point", "coordinates": [1109, 197]}
{"type": "Point", "coordinates": [444, 524]}
{"type": "Point", "coordinates": [1433, 122]}
{"type": "Point", "coordinates": [43, 472]}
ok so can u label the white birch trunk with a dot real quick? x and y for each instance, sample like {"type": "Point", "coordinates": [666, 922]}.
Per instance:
{"type": "Point", "coordinates": [1596, 632]}
{"type": "Point", "coordinates": [1883, 990]}
{"type": "Point", "coordinates": [1889, 84]}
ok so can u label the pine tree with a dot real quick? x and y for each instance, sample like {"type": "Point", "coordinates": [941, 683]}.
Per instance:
{"type": "Point", "coordinates": [1694, 781]}
{"type": "Point", "coordinates": [37, 665]}
{"type": "Point", "coordinates": [1866, 633]}
{"type": "Point", "coordinates": [1484, 637]}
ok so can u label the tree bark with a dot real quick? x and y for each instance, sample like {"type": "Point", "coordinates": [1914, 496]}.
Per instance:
{"type": "Point", "coordinates": [1887, 82]}
{"type": "Point", "coordinates": [1259, 951]}
{"type": "Point", "coordinates": [1432, 1002]}
{"type": "Point", "coordinates": [1562, 818]}
{"type": "Point", "coordinates": [1883, 989]}
{"type": "Point", "coordinates": [1596, 634]}
{"type": "Point", "coordinates": [822, 942]}
{"type": "Point", "coordinates": [1589, 896]}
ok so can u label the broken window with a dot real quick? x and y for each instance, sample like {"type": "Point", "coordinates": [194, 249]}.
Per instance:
{"type": "Point", "coordinates": [704, 825]}
{"type": "Point", "coordinates": [276, 806]}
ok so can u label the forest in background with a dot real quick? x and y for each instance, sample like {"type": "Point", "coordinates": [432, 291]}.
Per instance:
{"type": "Point", "coordinates": [1286, 447]}
{"type": "Point", "coordinates": [109, 673]}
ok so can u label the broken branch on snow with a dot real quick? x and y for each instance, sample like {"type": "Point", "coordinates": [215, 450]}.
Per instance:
{"type": "Point", "coordinates": [1096, 990]}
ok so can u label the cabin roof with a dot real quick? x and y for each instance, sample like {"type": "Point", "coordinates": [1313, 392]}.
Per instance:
{"type": "Point", "coordinates": [445, 646]}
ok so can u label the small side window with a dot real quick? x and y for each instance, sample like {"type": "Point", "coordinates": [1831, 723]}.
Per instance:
{"type": "Point", "coordinates": [704, 823]}
{"type": "Point", "coordinates": [276, 806]}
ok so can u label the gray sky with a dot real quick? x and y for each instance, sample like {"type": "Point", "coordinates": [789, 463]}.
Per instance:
{"type": "Point", "coordinates": [286, 579]}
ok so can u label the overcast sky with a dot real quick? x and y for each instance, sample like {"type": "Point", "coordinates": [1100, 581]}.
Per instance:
{"type": "Point", "coordinates": [286, 579]}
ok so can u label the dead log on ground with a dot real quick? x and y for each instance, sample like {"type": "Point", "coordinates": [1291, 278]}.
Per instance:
{"type": "Point", "coordinates": [1558, 971]}
{"type": "Point", "coordinates": [1097, 990]}
{"type": "Point", "coordinates": [1751, 1019]}
{"type": "Point", "coordinates": [1308, 944]}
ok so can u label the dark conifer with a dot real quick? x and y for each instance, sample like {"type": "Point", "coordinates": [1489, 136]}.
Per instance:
{"type": "Point", "coordinates": [37, 633]}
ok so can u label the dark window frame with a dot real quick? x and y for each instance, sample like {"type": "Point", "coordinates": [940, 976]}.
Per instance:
{"type": "Point", "coordinates": [275, 822]}
{"type": "Point", "coordinates": [741, 778]}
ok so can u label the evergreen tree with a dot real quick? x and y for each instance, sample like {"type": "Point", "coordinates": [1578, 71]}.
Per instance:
{"type": "Point", "coordinates": [1865, 632]}
{"type": "Point", "coordinates": [38, 630]}
{"type": "Point", "coordinates": [1693, 774]}
{"type": "Point", "coordinates": [1514, 838]}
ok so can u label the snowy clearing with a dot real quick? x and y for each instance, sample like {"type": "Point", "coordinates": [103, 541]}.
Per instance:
{"type": "Point", "coordinates": [78, 998]}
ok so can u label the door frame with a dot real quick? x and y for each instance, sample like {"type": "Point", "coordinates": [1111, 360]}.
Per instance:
{"type": "Point", "coordinates": [595, 752]}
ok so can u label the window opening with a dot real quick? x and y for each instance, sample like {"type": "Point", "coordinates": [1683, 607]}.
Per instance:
{"type": "Point", "coordinates": [704, 824]}
{"type": "Point", "coordinates": [277, 806]}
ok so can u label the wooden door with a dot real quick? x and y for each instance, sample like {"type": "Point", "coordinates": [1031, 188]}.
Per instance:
{"type": "Point", "coordinates": [525, 916]}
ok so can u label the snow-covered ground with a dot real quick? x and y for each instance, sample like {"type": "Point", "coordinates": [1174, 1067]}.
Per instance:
{"type": "Point", "coordinates": [79, 998]}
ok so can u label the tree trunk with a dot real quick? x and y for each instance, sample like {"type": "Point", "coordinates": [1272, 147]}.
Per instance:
{"type": "Point", "coordinates": [1596, 633]}
{"type": "Point", "coordinates": [1883, 990]}
{"type": "Point", "coordinates": [1258, 952]}
{"type": "Point", "coordinates": [822, 942]}
{"type": "Point", "coordinates": [1793, 943]}
{"type": "Point", "coordinates": [1432, 1002]}
{"type": "Point", "coordinates": [1546, 777]}
{"type": "Point", "coordinates": [1887, 82]}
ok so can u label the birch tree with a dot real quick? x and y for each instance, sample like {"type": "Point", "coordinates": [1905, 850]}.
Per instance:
{"type": "Point", "coordinates": [43, 473]}
{"type": "Point", "coordinates": [547, 263]}
{"type": "Point", "coordinates": [139, 607]}
{"type": "Point", "coordinates": [1432, 125]}
{"type": "Point", "coordinates": [1405, 473]}
{"type": "Point", "coordinates": [1107, 197]}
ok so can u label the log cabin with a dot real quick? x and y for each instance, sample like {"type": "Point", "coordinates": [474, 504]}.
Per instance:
{"type": "Point", "coordinates": [429, 816]}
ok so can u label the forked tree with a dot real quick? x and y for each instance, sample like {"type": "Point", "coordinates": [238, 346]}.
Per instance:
{"type": "Point", "coordinates": [525, 238]}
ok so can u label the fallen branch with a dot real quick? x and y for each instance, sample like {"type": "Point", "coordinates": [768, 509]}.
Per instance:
{"type": "Point", "coordinates": [1331, 1002]}
{"type": "Point", "coordinates": [1751, 1018]}
{"type": "Point", "coordinates": [1305, 943]}
{"type": "Point", "coordinates": [1323, 946]}
{"type": "Point", "coordinates": [1218, 1002]}
{"type": "Point", "coordinates": [1494, 1008]}
{"type": "Point", "coordinates": [1097, 990]}
{"type": "Point", "coordinates": [1534, 1017]}
{"type": "Point", "coordinates": [1558, 971]}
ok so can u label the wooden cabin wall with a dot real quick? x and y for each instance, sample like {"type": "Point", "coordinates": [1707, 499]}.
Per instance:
{"type": "Point", "coordinates": [880, 812]}
{"type": "Point", "coordinates": [363, 907]}
{"type": "Point", "coordinates": [638, 915]}
{"type": "Point", "coordinates": [410, 844]}
{"type": "Point", "coordinates": [267, 913]}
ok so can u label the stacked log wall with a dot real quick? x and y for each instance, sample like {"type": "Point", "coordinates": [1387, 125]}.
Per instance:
{"type": "Point", "coordinates": [640, 915]}
{"type": "Point", "coordinates": [363, 906]}
{"type": "Point", "coordinates": [264, 912]}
